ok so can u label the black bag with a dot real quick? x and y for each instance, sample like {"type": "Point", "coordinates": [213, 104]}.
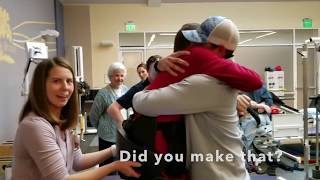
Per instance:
{"type": "Point", "coordinates": [139, 134]}
{"type": "Point", "coordinates": [141, 130]}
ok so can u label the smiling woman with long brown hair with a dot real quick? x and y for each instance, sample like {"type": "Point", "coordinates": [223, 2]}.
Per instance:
{"type": "Point", "coordinates": [45, 147]}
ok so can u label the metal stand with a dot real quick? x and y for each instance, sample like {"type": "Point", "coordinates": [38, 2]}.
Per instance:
{"type": "Point", "coordinates": [317, 137]}
{"type": "Point", "coordinates": [79, 75]}
{"type": "Point", "coordinates": [305, 110]}
{"type": "Point", "coordinates": [315, 172]}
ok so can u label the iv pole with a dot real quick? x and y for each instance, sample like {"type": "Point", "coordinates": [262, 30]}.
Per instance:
{"type": "Point", "coordinates": [79, 75]}
{"type": "Point", "coordinates": [305, 85]}
{"type": "Point", "coordinates": [316, 41]}
{"type": "Point", "coordinates": [304, 53]}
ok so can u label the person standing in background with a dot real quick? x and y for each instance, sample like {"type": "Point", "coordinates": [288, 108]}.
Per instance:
{"type": "Point", "coordinates": [99, 117]}
{"type": "Point", "coordinates": [142, 71]}
{"type": "Point", "coordinates": [143, 68]}
{"type": "Point", "coordinates": [261, 101]}
{"type": "Point", "coordinates": [125, 101]}
{"type": "Point", "coordinates": [172, 64]}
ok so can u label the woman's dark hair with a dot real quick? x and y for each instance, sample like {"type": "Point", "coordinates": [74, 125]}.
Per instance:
{"type": "Point", "coordinates": [142, 65]}
{"type": "Point", "coordinates": [152, 59]}
{"type": "Point", "coordinates": [180, 42]}
{"type": "Point", "coordinates": [38, 102]}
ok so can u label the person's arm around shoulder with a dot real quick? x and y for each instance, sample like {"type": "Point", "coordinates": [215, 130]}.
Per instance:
{"type": "Point", "coordinates": [171, 64]}
{"type": "Point", "coordinates": [125, 101]}
{"type": "Point", "coordinates": [114, 110]}
{"type": "Point", "coordinates": [177, 98]}
{"type": "Point", "coordinates": [233, 74]}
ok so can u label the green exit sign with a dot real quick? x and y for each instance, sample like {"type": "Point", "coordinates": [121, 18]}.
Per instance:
{"type": "Point", "coordinates": [130, 27]}
{"type": "Point", "coordinates": [307, 23]}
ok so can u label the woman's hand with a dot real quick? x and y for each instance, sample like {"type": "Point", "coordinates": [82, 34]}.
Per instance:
{"type": "Point", "coordinates": [126, 168]}
{"type": "Point", "coordinates": [261, 107]}
{"type": "Point", "coordinates": [173, 64]}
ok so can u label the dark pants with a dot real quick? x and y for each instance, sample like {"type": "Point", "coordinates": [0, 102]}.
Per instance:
{"type": "Point", "coordinates": [104, 145]}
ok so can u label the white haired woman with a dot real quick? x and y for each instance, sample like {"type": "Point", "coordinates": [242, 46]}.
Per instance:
{"type": "Point", "coordinates": [99, 117]}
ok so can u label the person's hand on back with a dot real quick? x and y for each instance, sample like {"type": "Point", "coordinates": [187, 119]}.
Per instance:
{"type": "Point", "coordinates": [173, 64]}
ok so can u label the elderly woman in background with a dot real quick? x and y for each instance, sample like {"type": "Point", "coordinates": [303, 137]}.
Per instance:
{"type": "Point", "coordinates": [44, 146]}
{"type": "Point", "coordinates": [99, 117]}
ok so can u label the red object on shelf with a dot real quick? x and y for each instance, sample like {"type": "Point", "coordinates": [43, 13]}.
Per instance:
{"type": "Point", "coordinates": [275, 110]}
{"type": "Point", "coordinates": [278, 68]}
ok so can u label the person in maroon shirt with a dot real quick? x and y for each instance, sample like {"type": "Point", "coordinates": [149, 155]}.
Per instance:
{"type": "Point", "coordinates": [208, 55]}
{"type": "Point", "coordinates": [211, 58]}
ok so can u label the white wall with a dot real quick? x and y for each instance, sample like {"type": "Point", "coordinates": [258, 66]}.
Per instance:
{"type": "Point", "coordinates": [107, 20]}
